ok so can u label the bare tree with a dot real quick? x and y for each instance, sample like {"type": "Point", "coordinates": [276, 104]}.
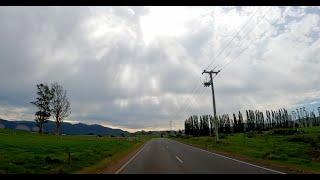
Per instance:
{"type": "Point", "coordinates": [60, 105]}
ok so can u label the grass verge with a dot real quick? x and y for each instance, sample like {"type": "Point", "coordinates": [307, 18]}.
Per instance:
{"type": "Point", "coordinates": [32, 153]}
{"type": "Point", "coordinates": [298, 152]}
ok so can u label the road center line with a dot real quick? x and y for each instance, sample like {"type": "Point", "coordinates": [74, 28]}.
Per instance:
{"type": "Point", "coordinates": [179, 159]}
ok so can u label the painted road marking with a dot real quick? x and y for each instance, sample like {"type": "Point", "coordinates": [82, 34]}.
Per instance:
{"type": "Point", "coordinates": [179, 159]}
{"type": "Point", "coordinates": [233, 159]}
{"type": "Point", "coordinates": [130, 159]}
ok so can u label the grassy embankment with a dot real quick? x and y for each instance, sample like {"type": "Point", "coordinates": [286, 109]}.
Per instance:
{"type": "Point", "coordinates": [299, 152]}
{"type": "Point", "coordinates": [24, 152]}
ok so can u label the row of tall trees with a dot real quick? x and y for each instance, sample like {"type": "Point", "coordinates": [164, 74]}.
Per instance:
{"type": "Point", "coordinates": [51, 101]}
{"type": "Point", "coordinates": [196, 128]}
{"type": "Point", "coordinates": [306, 118]}
{"type": "Point", "coordinates": [255, 120]}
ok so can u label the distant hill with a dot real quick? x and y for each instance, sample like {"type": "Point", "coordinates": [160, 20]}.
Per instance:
{"type": "Point", "coordinates": [66, 128]}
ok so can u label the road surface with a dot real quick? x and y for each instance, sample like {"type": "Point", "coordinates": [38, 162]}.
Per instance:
{"type": "Point", "coordinates": [164, 156]}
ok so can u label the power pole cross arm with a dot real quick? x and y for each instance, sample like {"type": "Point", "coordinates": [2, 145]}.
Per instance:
{"type": "Point", "coordinates": [211, 72]}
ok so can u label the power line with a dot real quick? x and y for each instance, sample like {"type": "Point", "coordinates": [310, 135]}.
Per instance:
{"type": "Point", "coordinates": [191, 93]}
{"type": "Point", "coordinates": [256, 39]}
{"type": "Point", "coordinates": [190, 105]}
{"type": "Point", "coordinates": [188, 102]}
{"type": "Point", "coordinates": [216, 72]}
{"type": "Point", "coordinates": [195, 100]}
{"type": "Point", "coordinates": [178, 114]}
{"type": "Point", "coordinates": [228, 45]}
{"type": "Point", "coordinates": [187, 108]}
{"type": "Point", "coordinates": [188, 98]}
{"type": "Point", "coordinates": [242, 39]}
{"type": "Point", "coordinates": [233, 38]}
{"type": "Point", "coordinates": [179, 111]}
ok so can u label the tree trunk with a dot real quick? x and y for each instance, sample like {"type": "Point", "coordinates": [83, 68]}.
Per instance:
{"type": "Point", "coordinates": [58, 124]}
{"type": "Point", "coordinates": [40, 127]}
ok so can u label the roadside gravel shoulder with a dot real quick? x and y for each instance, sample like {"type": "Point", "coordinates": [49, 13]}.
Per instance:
{"type": "Point", "coordinates": [120, 162]}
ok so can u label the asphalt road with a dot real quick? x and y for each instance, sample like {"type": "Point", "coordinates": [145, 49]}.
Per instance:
{"type": "Point", "coordinates": [164, 156]}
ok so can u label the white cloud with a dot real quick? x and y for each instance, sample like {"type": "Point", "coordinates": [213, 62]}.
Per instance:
{"type": "Point", "coordinates": [134, 67]}
{"type": "Point", "coordinates": [314, 102]}
{"type": "Point", "coordinates": [297, 12]}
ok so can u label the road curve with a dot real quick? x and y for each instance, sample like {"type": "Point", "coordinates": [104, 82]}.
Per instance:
{"type": "Point", "coordinates": [164, 156]}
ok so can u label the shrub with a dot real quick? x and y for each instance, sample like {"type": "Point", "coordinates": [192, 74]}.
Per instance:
{"type": "Point", "coordinates": [250, 134]}
{"type": "Point", "coordinates": [283, 157]}
{"type": "Point", "coordinates": [300, 138]}
{"type": "Point", "coordinates": [222, 136]}
{"type": "Point", "coordinates": [270, 156]}
{"type": "Point", "coordinates": [209, 139]}
{"type": "Point", "coordinates": [315, 143]}
{"type": "Point", "coordinates": [306, 161]}
{"type": "Point", "coordinates": [267, 155]}
{"type": "Point", "coordinates": [188, 136]}
{"type": "Point", "coordinates": [50, 160]}
{"type": "Point", "coordinates": [282, 131]}
{"type": "Point", "coordinates": [61, 171]}
{"type": "Point", "coordinates": [315, 153]}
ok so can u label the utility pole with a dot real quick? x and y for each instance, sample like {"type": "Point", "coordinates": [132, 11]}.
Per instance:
{"type": "Point", "coordinates": [170, 126]}
{"type": "Point", "coordinates": [206, 84]}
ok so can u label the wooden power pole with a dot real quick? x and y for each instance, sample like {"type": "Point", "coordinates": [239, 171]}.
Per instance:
{"type": "Point", "coordinates": [206, 84]}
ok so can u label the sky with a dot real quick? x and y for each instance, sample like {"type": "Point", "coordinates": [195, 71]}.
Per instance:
{"type": "Point", "coordinates": [138, 68]}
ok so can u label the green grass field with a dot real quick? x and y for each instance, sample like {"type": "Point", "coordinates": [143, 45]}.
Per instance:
{"type": "Point", "coordinates": [299, 151]}
{"type": "Point", "coordinates": [32, 153]}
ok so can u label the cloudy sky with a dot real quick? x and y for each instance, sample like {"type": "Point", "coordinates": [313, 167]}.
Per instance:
{"type": "Point", "coordinates": [140, 67]}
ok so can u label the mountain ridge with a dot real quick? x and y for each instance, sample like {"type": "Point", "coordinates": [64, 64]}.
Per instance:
{"type": "Point", "coordinates": [66, 128]}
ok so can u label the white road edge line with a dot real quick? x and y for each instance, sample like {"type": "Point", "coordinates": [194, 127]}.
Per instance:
{"type": "Point", "coordinates": [119, 170]}
{"type": "Point", "coordinates": [179, 159]}
{"type": "Point", "coordinates": [233, 159]}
